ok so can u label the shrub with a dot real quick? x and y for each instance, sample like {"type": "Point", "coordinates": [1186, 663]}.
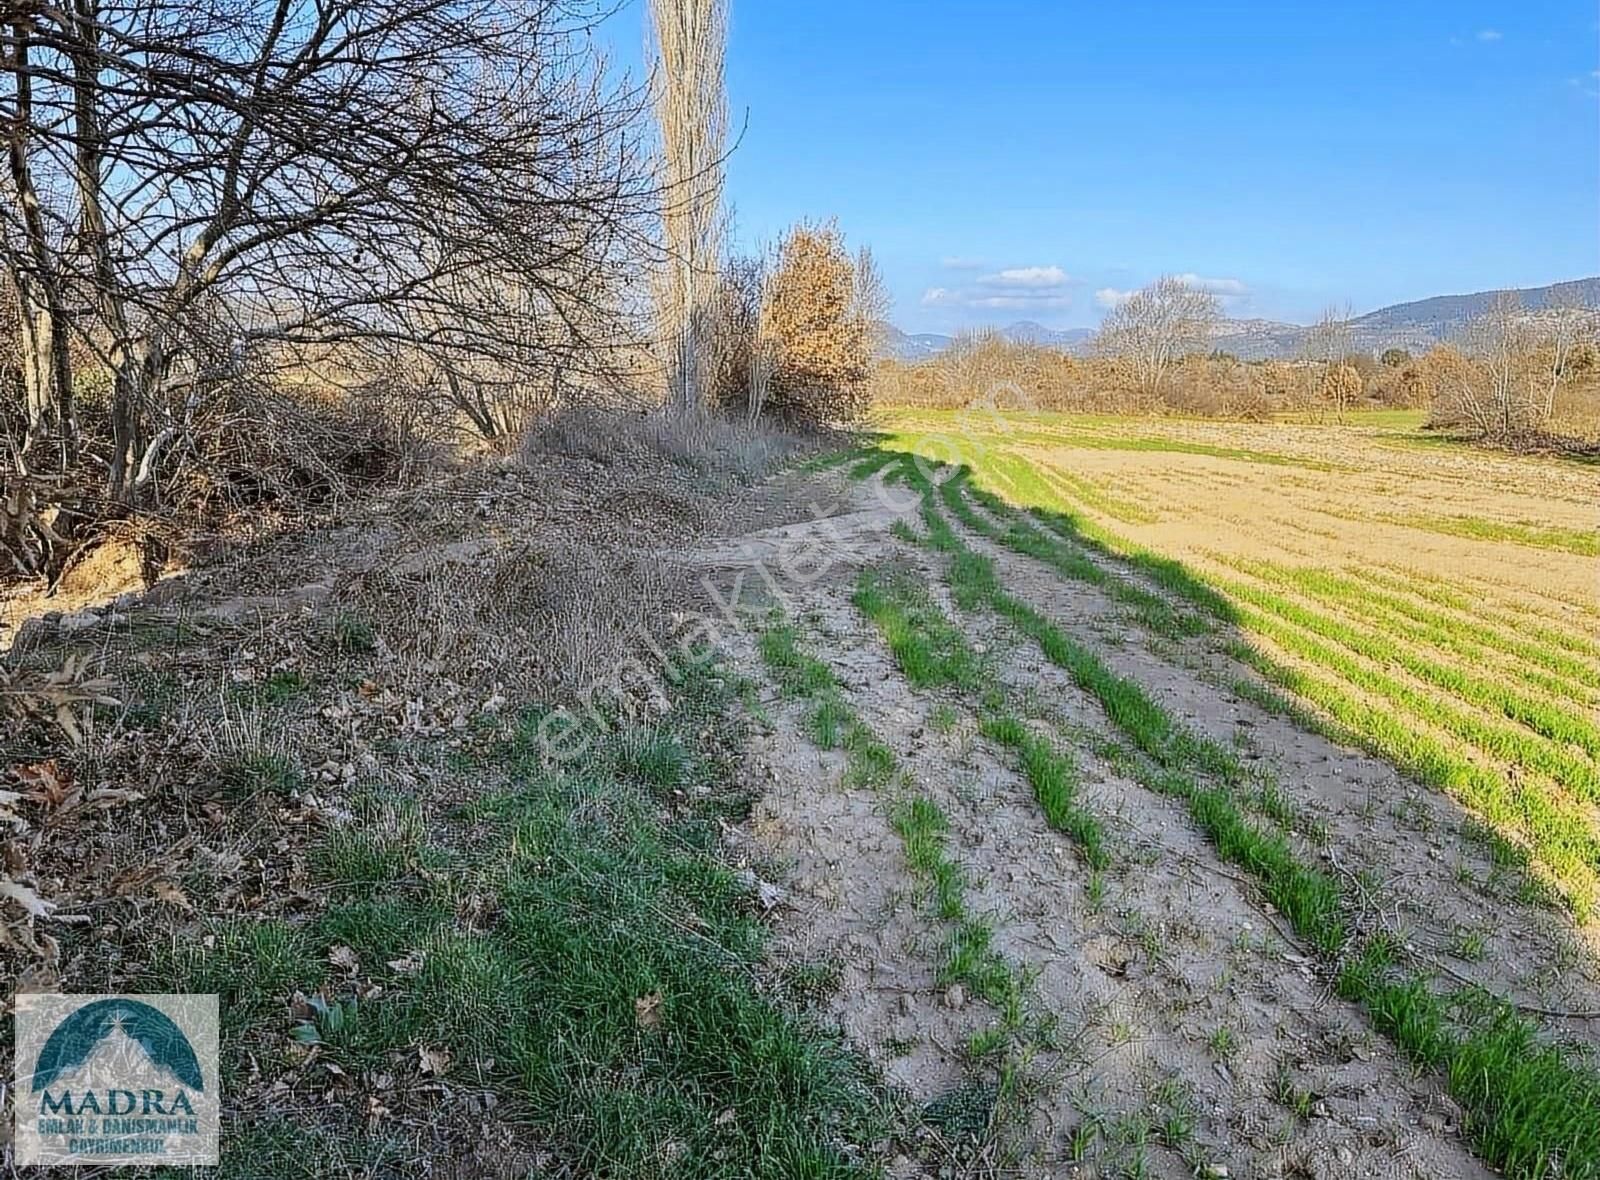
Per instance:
{"type": "Point", "coordinates": [1412, 389]}
{"type": "Point", "coordinates": [1341, 385]}
{"type": "Point", "coordinates": [821, 335]}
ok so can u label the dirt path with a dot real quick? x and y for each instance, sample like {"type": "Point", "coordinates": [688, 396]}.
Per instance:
{"type": "Point", "coordinates": [1194, 1037]}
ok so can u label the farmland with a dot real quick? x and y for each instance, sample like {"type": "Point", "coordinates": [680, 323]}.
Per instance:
{"type": "Point", "coordinates": [1205, 799]}
{"type": "Point", "coordinates": [1425, 600]}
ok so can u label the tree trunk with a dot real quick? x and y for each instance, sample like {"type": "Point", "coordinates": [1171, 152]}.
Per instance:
{"type": "Point", "coordinates": [52, 357]}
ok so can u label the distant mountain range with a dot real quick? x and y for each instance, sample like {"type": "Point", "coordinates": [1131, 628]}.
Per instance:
{"type": "Point", "coordinates": [1415, 326]}
{"type": "Point", "coordinates": [902, 346]}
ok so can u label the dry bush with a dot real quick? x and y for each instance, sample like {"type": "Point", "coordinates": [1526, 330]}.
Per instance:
{"type": "Point", "coordinates": [531, 623]}
{"type": "Point", "coordinates": [293, 452]}
{"type": "Point", "coordinates": [1452, 377]}
{"type": "Point", "coordinates": [708, 444]}
{"type": "Point", "coordinates": [737, 358]}
{"type": "Point", "coordinates": [1340, 387]}
{"type": "Point", "coordinates": [821, 335]}
{"type": "Point", "coordinates": [985, 368]}
{"type": "Point", "coordinates": [1410, 390]}
{"type": "Point", "coordinates": [1512, 371]}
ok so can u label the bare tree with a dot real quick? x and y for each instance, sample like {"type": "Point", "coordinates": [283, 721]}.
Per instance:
{"type": "Point", "coordinates": [1504, 380]}
{"type": "Point", "coordinates": [1327, 343]}
{"type": "Point", "coordinates": [692, 109]}
{"type": "Point", "coordinates": [201, 191]}
{"type": "Point", "coordinates": [1341, 385]}
{"type": "Point", "coordinates": [1157, 325]}
{"type": "Point", "coordinates": [873, 302]}
{"type": "Point", "coordinates": [733, 364]}
{"type": "Point", "coordinates": [1565, 324]}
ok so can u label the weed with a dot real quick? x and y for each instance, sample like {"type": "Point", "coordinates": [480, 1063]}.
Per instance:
{"type": "Point", "coordinates": [652, 756]}
{"type": "Point", "coordinates": [1288, 1095]}
{"type": "Point", "coordinates": [1583, 542]}
{"type": "Point", "coordinates": [901, 531]}
{"type": "Point", "coordinates": [1469, 945]}
{"type": "Point", "coordinates": [254, 774]}
{"type": "Point", "coordinates": [929, 652]}
{"type": "Point", "coordinates": [283, 686]}
{"type": "Point", "coordinates": [352, 635]}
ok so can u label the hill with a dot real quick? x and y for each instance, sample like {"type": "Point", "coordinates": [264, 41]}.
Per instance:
{"type": "Point", "coordinates": [1417, 325]}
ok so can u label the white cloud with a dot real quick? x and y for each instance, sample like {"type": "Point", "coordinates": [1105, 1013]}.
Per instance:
{"type": "Point", "coordinates": [1110, 296]}
{"type": "Point", "coordinates": [1027, 276]}
{"type": "Point", "coordinates": [1488, 35]}
{"type": "Point", "coordinates": [1224, 287]}
{"type": "Point", "coordinates": [1035, 302]}
{"type": "Point", "coordinates": [1037, 289]}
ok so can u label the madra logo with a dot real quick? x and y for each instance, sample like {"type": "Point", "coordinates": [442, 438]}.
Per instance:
{"type": "Point", "coordinates": [112, 1079]}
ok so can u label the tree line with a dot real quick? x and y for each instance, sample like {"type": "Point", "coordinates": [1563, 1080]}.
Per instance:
{"type": "Point", "coordinates": [1513, 374]}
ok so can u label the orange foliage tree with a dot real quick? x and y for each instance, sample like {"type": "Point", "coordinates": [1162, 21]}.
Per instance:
{"type": "Point", "coordinates": [819, 330]}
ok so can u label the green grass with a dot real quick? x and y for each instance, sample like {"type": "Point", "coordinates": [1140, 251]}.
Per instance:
{"type": "Point", "coordinates": [1583, 542]}
{"type": "Point", "coordinates": [831, 722]}
{"type": "Point", "coordinates": [1053, 775]}
{"type": "Point", "coordinates": [653, 756]}
{"type": "Point", "coordinates": [586, 953]}
{"type": "Point", "coordinates": [352, 635]}
{"type": "Point", "coordinates": [1016, 534]}
{"type": "Point", "coordinates": [1403, 420]}
{"type": "Point", "coordinates": [970, 958]}
{"type": "Point", "coordinates": [1098, 499]}
{"type": "Point", "coordinates": [928, 650]}
{"type": "Point", "coordinates": [249, 775]}
{"type": "Point", "coordinates": [1506, 661]}
{"type": "Point", "coordinates": [797, 673]}
{"type": "Point", "coordinates": [1532, 1109]}
{"type": "Point", "coordinates": [1545, 720]}
{"type": "Point", "coordinates": [1057, 430]}
{"type": "Point", "coordinates": [1554, 744]}
{"type": "Point", "coordinates": [1561, 842]}
{"type": "Point", "coordinates": [1437, 591]}
{"type": "Point", "coordinates": [1352, 595]}
{"type": "Point", "coordinates": [284, 686]}
{"type": "Point", "coordinates": [1308, 896]}
{"type": "Point", "coordinates": [914, 626]}
{"type": "Point", "coordinates": [385, 847]}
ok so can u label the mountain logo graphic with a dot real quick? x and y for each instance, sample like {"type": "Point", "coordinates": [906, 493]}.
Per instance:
{"type": "Point", "coordinates": [76, 1037]}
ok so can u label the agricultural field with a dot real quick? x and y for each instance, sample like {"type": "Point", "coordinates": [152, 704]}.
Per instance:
{"type": "Point", "coordinates": [1189, 799]}
{"type": "Point", "coordinates": [1432, 601]}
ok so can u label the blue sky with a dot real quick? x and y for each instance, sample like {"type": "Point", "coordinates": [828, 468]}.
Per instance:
{"type": "Point", "coordinates": [1027, 159]}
